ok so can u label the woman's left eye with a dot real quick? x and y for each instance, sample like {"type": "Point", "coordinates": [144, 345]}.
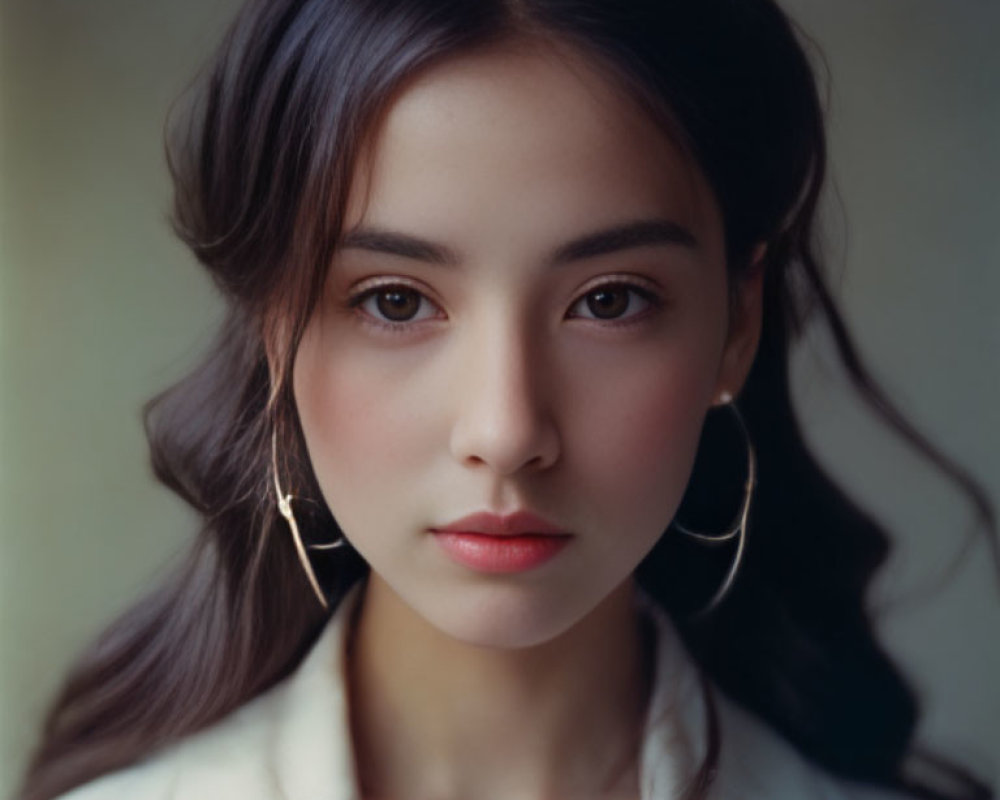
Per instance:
{"type": "Point", "coordinates": [613, 302]}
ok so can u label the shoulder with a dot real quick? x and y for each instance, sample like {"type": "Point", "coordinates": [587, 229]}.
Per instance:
{"type": "Point", "coordinates": [754, 761]}
{"type": "Point", "coordinates": [228, 759]}
{"type": "Point", "coordinates": [288, 743]}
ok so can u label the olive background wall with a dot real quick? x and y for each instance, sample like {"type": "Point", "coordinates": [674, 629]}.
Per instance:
{"type": "Point", "coordinates": [100, 308]}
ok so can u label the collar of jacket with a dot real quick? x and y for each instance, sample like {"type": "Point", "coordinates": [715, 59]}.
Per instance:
{"type": "Point", "coordinates": [293, 742]}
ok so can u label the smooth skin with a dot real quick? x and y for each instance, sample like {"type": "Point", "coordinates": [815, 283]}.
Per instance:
{"type": "Point", "coordinates": [529, 311]}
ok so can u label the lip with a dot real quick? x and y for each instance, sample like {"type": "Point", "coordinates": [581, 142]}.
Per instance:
{"type": "Point", "coordinates": [519, 523]}
{"type": "Point", "coordinates": [498, 544]}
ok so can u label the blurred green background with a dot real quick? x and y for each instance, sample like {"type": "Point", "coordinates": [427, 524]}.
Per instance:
{"type": "Point", "coordinates": [100, 308]}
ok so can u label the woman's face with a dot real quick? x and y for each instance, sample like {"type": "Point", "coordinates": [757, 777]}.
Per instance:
{"type": "Point", "coordinates": [529, 312]}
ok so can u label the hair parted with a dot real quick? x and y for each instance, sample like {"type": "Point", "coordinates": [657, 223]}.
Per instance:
{"type": "Point", "coordinates": [262, 163]}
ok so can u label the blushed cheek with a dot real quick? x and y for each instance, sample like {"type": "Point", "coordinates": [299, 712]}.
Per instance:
{"type": "Point", "coordinates": [663, 437]}
{"type": "Point", "coordinates": [332, 408]}
{"type": "Point", "coordinates": [646, 447]}
{"type": "Point", "coordinates": [358, 419]}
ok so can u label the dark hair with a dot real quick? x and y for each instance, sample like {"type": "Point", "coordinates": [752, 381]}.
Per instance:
{"type": "Point", "coordinates": [262, 169]}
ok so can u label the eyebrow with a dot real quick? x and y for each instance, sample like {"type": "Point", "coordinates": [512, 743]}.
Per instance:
{"type": "Point", "coordinates": [644, 233]}
{"type": "Point", "coordinates": [632, 235]}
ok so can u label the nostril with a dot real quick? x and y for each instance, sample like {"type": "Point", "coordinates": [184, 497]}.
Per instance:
{"type": "Point", "coordinates": [506, 454]}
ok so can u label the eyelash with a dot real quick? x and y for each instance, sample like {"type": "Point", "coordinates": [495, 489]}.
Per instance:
{"type": "Point", "coordinates": [357, 300]}
{"type": "Point", "coordinates": [653, 301]}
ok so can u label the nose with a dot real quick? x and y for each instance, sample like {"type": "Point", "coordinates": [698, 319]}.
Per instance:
{"type": "Point", "coordinates": [503, 421]}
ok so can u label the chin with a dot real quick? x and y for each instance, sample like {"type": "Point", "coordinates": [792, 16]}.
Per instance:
{"type": "Point", "coordinates": [507, 617]}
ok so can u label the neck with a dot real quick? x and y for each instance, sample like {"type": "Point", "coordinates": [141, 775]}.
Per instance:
{"type": "Point", "coordinates": [436, 717]}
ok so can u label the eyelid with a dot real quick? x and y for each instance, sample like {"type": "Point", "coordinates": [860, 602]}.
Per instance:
{"type": "Point", "coordinates": [624, 279]}
{"type": "Point", "coordinates": [366, 285]}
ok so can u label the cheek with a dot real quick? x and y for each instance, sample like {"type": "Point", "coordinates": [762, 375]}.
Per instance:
{"type": "Point", "coordinates": [368, 416]}
{"type": "Point", "coordinates": [655, 428]}
{"type": "Point", "coordinates": [637, 438]}
{"type": "Point", "coordinates": [345, 415]}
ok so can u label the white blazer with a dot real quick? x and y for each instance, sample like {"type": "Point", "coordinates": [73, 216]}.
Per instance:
{"type": "Point", "coordinates": [293, 742]}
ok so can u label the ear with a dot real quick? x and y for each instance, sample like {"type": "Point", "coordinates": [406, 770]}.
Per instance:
{"type": "Point", "coordinates": [745, 320]}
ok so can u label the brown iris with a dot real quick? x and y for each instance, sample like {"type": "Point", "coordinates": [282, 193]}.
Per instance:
{"type": "Point", "coordinates": [398, 305]}
{"type": "Point", "coordinates": [608, 303]}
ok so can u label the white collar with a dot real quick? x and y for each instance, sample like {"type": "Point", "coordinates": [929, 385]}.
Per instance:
{"type": "Point", "coordinates": [294, 743]}
{"type": "Point", "coordinates": [317, 705]}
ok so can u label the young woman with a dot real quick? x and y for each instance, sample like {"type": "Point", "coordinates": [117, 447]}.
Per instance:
{"type": "Point", "coordinates": [504, 496]}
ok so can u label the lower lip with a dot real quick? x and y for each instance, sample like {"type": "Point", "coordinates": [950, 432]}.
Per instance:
{"type": "Point", "coordinates": [500, 554]}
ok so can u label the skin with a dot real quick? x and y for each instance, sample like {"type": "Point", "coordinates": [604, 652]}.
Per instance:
{"type": "Point", "coordinates": [505, 391]}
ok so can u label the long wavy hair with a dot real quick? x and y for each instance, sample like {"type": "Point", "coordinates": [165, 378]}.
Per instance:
{"type": "Point", "coordinates": [262, 162]}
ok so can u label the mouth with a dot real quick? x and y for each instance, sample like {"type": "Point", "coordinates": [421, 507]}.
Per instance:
{"type": "Point", "coordinates": [499, 544]}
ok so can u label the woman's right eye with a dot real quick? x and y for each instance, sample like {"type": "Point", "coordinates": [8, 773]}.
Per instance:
{"type": "Point", "coordinates": [394, 305]}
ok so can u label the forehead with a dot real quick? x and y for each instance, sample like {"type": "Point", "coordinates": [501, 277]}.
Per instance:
{"type": "Point", "coordinates": [525, 140]}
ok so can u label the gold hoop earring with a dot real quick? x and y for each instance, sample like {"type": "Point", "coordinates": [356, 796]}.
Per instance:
{"type": "Point", "coordinates": [285, 508]}
{"type": "Point", "coordinates": [738, 530]}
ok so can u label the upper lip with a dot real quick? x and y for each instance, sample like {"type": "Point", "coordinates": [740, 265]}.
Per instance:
{"type": "Point", "coordinates": [519, 523]}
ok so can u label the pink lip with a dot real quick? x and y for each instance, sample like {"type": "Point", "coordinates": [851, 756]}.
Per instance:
{"type": "Point", "coordinates": [501, 544]}
{"type": "Point", "coordinates": [520, 523]}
